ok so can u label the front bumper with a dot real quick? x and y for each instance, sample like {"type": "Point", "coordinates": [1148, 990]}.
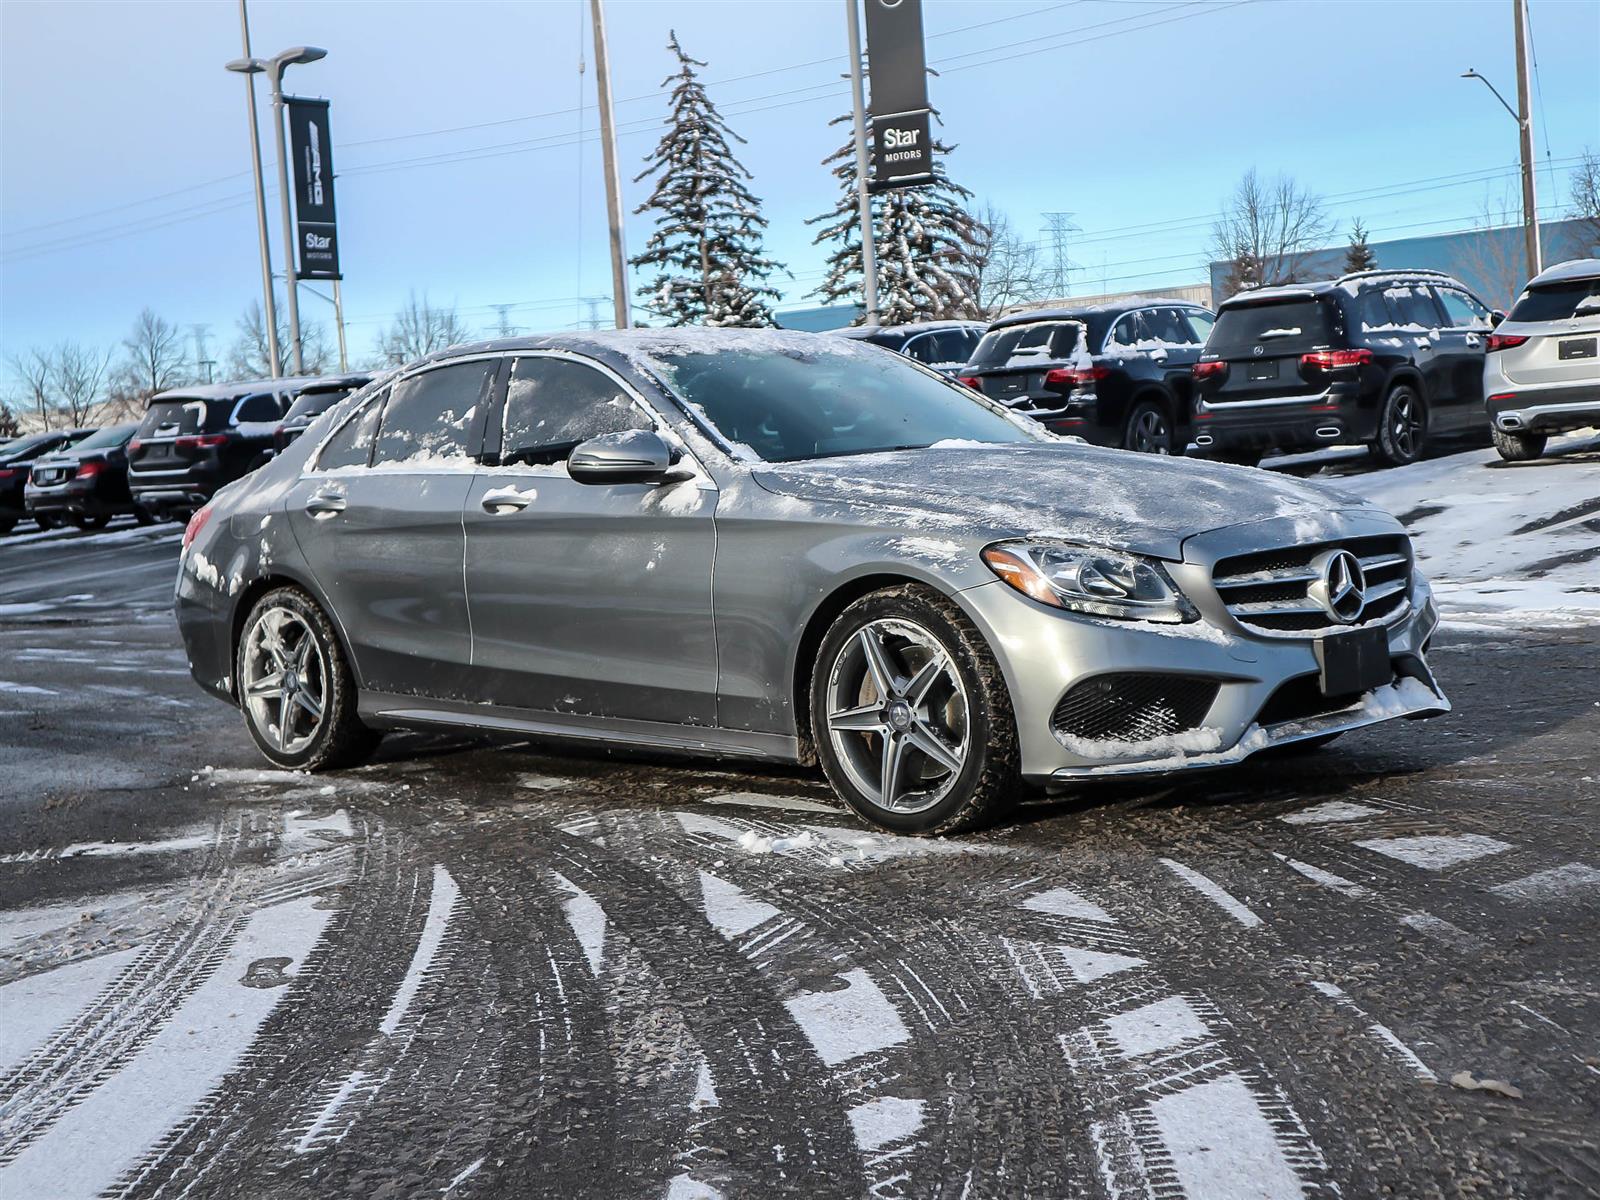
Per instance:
{"type": "Point", "coordinates": [1044, 652]}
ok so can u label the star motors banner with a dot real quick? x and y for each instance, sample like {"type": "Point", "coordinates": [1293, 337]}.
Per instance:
{"type": "Point", "coordinates": [311, 149]}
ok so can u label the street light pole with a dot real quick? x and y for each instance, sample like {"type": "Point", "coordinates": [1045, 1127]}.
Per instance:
{"type": "Point", "coordinates": [269, 306]}
{"type": "Point", "coordinates": [275, 74]}
{"type": "Point", "coordinates": [869, 252]}
{"type": "Point", "coordinates": [608, 148]}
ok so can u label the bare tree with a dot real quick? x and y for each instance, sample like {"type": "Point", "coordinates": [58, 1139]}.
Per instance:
{"type": "Point", "coordinates": [79, 375]}
{"type": "Point", "coordinates": [419, 328]}
{"type": "Point", "coordinates": [250, 356]}
{"type": "Point", "coordinates": [1585, 193]}
{"type": "Point", "coordinates": [155, 359]}
{"type": "Point", "coordinates": [1267, 227]}
{"type": "Point", "coordinates": [1007, 269]}
{"type": "Point", "coordinates": [33, 371]}
{"type": "Point", "coordinates": [1493, 258]}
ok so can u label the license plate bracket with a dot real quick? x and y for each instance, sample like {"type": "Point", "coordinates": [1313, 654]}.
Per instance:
{"type": "Point", "coordinates": [1577, 348]}
{"type": "Point", "coordinates": [1354, 661]}
{"type": "Point", "coordinates": [1262, 370]}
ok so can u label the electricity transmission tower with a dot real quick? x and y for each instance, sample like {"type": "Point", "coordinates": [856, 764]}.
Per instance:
{"type": "Point", "coordinates": [1058, 230]}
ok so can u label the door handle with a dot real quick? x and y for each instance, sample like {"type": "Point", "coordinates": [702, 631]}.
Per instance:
{"type": "Point", "coordinates": [507, 500]}
{"type": "Point", "coordinates": [1472, 339]}
{"type": "Point", "coordinates": [324, 504]}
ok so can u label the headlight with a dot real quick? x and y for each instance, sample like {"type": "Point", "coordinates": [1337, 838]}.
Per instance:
{"type": "Point", "coordinates": [1106, 583]}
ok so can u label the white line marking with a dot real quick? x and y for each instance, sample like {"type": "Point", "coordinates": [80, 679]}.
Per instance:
{"type": "Point", "coordinates": [33, 1008]}
{"type": "Point", "coordinates": [93, 1144]}
{"type": "Point", "coordinates": [731, 911]}
{"type": "Point", "coordinates": [1064, 902]}
{"type": "Point", "coordinates": [465, 1174]}
{"type": "Point", "coordinates": [1553, 884]}
{"type": "Point", "coordinates": [442, 899]}
{"type": "Point", "coordinates": [1382, 1032]}
{"type": "Point", "coordinates": [1326, 878]}
{"type": "Point", "coordinates": [855, 1020]}
{"type": "Point", "coordinates": [1329, 812]}
{"type": "Point", "coordinates": [1158, 1026]}
{"type": "Point", "coordinates": [888, 1119]}
{"type": "Point", "coordinates": [1222, 1145]}
{"type": "Point", "coordinates": [1213, 892]}
{"type": "Point", "coordinates": [1435, 852]}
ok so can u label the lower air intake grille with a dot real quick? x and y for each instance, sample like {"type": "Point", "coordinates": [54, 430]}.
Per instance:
{"type": "Point", "coordinates": [1133, 707]}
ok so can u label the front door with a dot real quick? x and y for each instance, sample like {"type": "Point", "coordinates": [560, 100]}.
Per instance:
{"type": "Point", "coordinates": [1461, 340]}
{"type": "Point", "coordinates": [378, 517]}
{"type": "Point", "coordinates": [586, 599]}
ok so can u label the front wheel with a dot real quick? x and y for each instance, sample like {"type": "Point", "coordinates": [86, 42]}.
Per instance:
{"type": "Point", "coordinates": [1149, 430]}
{"type": "Point", "coordinates": [296, 690]}
{"type": "Point", "coordinates": [1518, 447]}
{"type": "Point", "coordinates": [46, 523]}
{"type": "Point", "coordinates": [911, 716]}
{"type": "Point", "coordinates": [1402, 427]}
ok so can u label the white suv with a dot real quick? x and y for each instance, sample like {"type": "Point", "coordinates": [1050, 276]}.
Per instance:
{"type": "Point", "coordinates": [1541, 372]}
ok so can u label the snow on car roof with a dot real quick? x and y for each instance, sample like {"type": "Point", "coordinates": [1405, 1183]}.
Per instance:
{"type": "Point", "coordinates": [906, 330]}
{"type": "Point", "coordinates": [244, 387]}
{"type": "Point", "coordinates": [1077, 312]}
{"type": "Point", "coordinates": [1577, 268]}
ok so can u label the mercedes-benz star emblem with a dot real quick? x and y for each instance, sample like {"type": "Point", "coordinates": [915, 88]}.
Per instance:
{"type": "Point", "coordinates": [1260, 350]}
{"type": "Point", "coordinates": [1341, 589]}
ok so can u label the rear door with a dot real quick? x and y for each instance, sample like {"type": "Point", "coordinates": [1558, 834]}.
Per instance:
{"type": "Point", "coordinates": [1418, 321]}
{"type": "Point", "coordinates": [1466, 324]}
{"type": "Point", "coordinates": [586, 599]}
{"type": "Point", "coordinates": [378, 518]}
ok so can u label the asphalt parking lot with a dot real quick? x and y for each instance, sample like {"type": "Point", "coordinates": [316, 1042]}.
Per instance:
{"type": "Point", "coordinates": [471, 969]}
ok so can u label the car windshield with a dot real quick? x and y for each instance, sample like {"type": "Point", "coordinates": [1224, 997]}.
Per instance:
{"type": "Point", "coordinates": [1555, 302]}
{"type": "Point", "coordinates": [22, 445]}
{"type": "Point", "coordinates": [1284, 327]}
{"type": "Point", "coordinates": [788, 405]}
{"type": "Point", "coordinates": [107, 438]}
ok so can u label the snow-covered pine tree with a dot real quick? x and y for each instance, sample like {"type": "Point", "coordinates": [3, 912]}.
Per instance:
{"type": "Point", "coordinates": [923, 236]}
{"type": "Point", "coordinates": [706, 248]}
{"type": "Point", "coordinates": [1359, 256]}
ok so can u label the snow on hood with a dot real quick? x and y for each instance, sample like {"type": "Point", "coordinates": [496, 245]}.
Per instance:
{"type": "Point", "coordinates": [1143, 503]}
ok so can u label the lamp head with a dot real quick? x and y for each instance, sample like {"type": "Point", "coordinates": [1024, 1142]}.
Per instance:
{"type": "Point", "coordinates": [247, 66]}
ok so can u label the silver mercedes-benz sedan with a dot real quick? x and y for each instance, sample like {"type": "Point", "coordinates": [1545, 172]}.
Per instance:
{"type": "Point", "coordinates": [787, 547]}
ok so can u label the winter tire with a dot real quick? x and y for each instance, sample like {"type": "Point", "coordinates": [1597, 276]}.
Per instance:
{"type": "Point", "coordinates": [911, 716]}
{"type": "Point", "coordinates": [295, 688]}
{"type": "Point", "coordinates": [143, 516]}
{"type": "Point", "coordinates": [1149, 430]}
{"type": "Point", "coordinates": [1518, 447]}
{"type": "Point", "coordinates": [1402, 427]}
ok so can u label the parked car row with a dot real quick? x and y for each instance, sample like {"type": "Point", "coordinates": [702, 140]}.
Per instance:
{"type": "Point", "coordinates": [191, 441]}
{"type": "Point", "coordinates": [1392, 359]}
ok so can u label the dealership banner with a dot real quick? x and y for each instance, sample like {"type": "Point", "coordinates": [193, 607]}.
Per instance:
{"type": "Point", "coordinates": [311, 149]}
{"type": "Point", "coordinates": [897, 68]}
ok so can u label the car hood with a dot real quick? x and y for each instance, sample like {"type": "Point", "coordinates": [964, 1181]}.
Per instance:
{"type": "Point", "coordinates": [1147, 504]}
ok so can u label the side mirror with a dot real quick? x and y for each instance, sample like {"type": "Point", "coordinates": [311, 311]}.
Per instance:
{"type": "Point", "coordinates": [635, 456]}
{"type": "Point", "coordinates": [1496, 317]}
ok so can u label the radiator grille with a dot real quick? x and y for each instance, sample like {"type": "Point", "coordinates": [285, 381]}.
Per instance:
{"type": "Point", "coordinates": [1271, 591]}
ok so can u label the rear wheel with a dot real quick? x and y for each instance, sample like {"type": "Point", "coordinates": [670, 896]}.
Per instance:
{"type": "Point", "coordinates": [1518, 447]}
{"type": "Point", "coordinates": [143, 516]}
{"type": "Point", "coordinates": [44, 522]}
{"type": "Point", "coordinates": [1149, 430]}
{"type": "Point", "coordinates": [911, 716]}
{"type": "Point", "coordinates": [295, 688]}
{"type": "Point", "coordinates": [1402, 427]}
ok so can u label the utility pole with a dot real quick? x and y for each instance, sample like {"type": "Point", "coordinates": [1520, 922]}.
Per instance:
{"type": "Point", "coordinates": [269, 307]}
{"type": "Point", "coordinates": [504, 329]}
{"type": "Point", "coordinates": [869, 252]}
{"type": "Point", "coordinates": [1530, 204]}
{"type": "Point", "coordinates": [608, 147]}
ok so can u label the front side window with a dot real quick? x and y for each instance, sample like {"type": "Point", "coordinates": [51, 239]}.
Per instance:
{"type": "Point", "coordinates": [429, 418]}
{"type": "Point", "coordinates": [351, 446]}
{"type": "Point", "coordinates": [1200, 323]}
{"type": "Point", "coordinates": [554, 404]}
{"type": "Point", "coordinates": [786, 405]}
{"type": "Point", "coordinates": [1412, 307]}
{"type": "Point", "coordinates": [1461, 310]}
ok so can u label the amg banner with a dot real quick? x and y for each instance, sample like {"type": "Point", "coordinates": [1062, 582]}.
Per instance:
{"type": "Point", "coordinates": [311, 149]}
{"type": "Point", "coordinates": [902, 151]}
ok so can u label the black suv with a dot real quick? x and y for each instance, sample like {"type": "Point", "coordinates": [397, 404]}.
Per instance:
{"type": "Point", "coordinates": [315, 398]}
{"type": "Point", "coordinates": [943, 345]}
{"type": "Point", "coordinates": [86, 484]}
{"type": "Point", "coordinates": [193, 440]}
{"type": "Point", "coordinates": [1115, 374]}
{"type": "Point", "coordinates": [1389, 358]}
{"type": "Point", "coordinates": [16, 461]}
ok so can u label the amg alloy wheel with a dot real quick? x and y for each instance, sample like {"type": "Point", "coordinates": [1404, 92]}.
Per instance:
{"type": "Point", "coordinates": [1149, 431]}
{"type": "Point", "coordinates": [911, 717]}
{"type": "Point", "coordinates": [1402, 427]}
{"type": "Point", "coordinates": [297, 693]}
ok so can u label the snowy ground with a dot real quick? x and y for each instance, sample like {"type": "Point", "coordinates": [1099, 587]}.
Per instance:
{"type": "Point", "coordinates": [472, 971]}
{"type": "Point", "coordinates": [1504, 544]}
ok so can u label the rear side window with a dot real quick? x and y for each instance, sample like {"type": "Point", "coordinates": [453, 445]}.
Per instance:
{"type": "Point", "coordinates": [1557, 302]}
{"type": "Point", "coordinates": [1286, 327]}
{"type": "Point", "coordinates": [260, 407]}
{"type": "Point", "coordinates": [351, 446]}
{"type": "Point", "coordinates": [309, 404]}
{"type": "Point", "coordinates": [1129, 331]}
{"type": "Point", "coordinates": [553, 404]}
{"type": "Point", "coordinates": [1412, 307]}
{"type": "Point", "coordinates": [429, 418]}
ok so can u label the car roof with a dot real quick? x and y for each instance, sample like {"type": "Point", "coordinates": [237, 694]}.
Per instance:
{"type": "Point", "coordinates": [1577, 268]}
{"type": "Point", "coordinates": [910, 329]}
{"type": "Point", "coordinates": [293, 384]}
{"type": "Point", "coordinates": [1347, 284]}
{"type": "Point", "coordinates": [616, 347]}
{"type": "Point", "coordinates": [1080, 312]}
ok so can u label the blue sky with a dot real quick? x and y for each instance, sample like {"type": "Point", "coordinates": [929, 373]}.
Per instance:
{"type": "Point", "coordinates": [468, 171]}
